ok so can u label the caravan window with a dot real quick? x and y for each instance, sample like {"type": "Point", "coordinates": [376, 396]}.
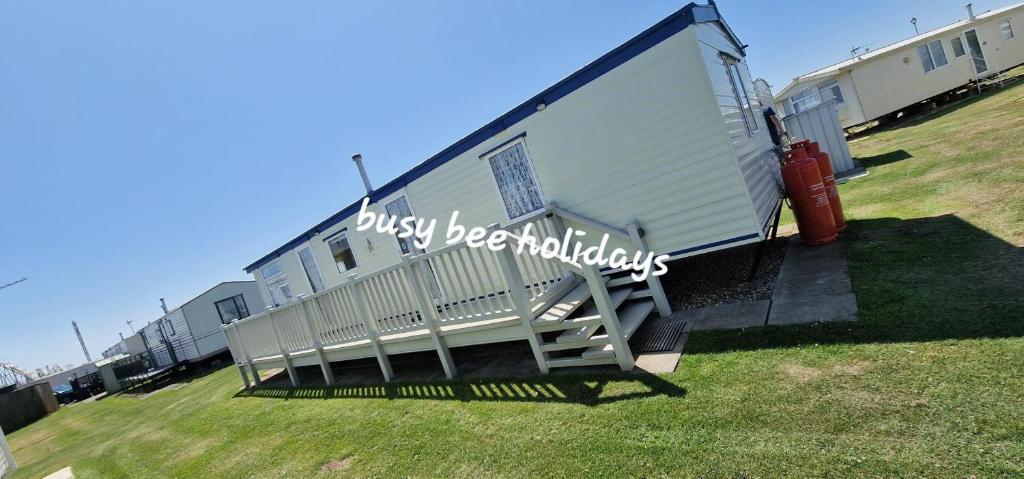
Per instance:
{"type": "Point", "coordinates": [1006, 29]}
{"type": "Point", "coordinates": [830, 89]}
{"type": "Point", "coordinates": [739, 90]}
{"type": "Point", "coordinates": [232, 308]}
{"type": "Point", "coordinates": [807, 98]}
{"type": "Point", "coordinates": [312, 271]}
{"type": "Point", "coordinates": [516, 181]}
{"type": "Point", "coordinates": [932, 55]}
{"type": "Point", "coordinates": [277, 283]}
{"type": "Point", "coordinates": [958, 47]}
{"type": "Point", "coordinates": [342, 251]}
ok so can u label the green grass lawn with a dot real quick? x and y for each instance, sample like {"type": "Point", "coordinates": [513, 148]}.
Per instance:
{"type": "Point", "coordinates": [928, 383]}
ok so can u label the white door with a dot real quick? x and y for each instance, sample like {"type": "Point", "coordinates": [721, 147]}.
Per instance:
{"type": "Point", "coordinates": [978, 56]}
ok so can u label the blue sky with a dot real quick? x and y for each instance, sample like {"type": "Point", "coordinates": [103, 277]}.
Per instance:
{"type": "Point", "coordinates": [153, 149]}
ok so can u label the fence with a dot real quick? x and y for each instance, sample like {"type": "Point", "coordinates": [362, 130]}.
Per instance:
{"type": "Point", "coordinates": [7, 465]}
{"type": "Point", "coordinates": [820, 123]}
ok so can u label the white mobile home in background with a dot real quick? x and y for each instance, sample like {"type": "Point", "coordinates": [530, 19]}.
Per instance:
{"type": "Point", "coordinates": [191, 332]}
{"type": "Point", "coordinates": [660, 143]}
{"type": "Point", "coordinates": [886, 80]}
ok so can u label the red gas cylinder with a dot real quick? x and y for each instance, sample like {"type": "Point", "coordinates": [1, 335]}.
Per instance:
{"type": "Point", "coordinates": [829, 179]}
{"type": "Point", "coordinates": [808, 198]}
{"type": "Point", "coordinates": [797, 145]}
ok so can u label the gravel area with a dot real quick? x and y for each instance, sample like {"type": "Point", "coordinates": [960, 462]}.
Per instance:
{"type": "Point", "coordinates": [721, 277]}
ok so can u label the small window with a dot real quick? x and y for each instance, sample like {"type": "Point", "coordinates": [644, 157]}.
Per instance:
{"type": "Point", "coordinates": [830, 89]}
{"type": "Point", "coordinates": [932, 55]}
{"type": "Point", "coordinates": [312, 271]}
{"type": "Point", "coordinates": [516, 181]}
{"type": "Point", "coordinates": [168, 326]}
{"type": "Point", "coordinates": [232, 308]}
{"type": "Point", "coordinates": [958, 47]}
{"type": "Point", "coordinates": [271, 270]}
{"type": "Point", "coordinates": [1006, 29]}
{"type": "Point", "coordinates": [807, 98]}
{"type": "Point", "coordinates": [342, 251]}
{"type": "Point", "coordinates": [739, 90]}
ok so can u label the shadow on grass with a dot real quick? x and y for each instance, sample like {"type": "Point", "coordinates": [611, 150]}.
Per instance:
{"type": "Point", "coordinates": [915, 118]}
{"type": "Point", "coordinates": [587, 390]}
{"type": "Point", "coordinates": [923, 279]}
{"type": "Point", "coordinates": [884, 159]}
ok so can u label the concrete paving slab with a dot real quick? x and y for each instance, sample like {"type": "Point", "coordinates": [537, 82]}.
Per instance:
{"type": "Point", "coordinates": [664, 362]}
{"type": "Point", "coordinates": [813, 286]}
{"type": "Point", "coordinates": [61, 474]}
{"type": "Point", "coordinates": [733, 316]}
{"type": "Point", "coordinates": [820, 308]}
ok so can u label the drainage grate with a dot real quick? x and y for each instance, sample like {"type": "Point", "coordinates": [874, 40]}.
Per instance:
{"type": "Point", "coordinates": [657, 336]}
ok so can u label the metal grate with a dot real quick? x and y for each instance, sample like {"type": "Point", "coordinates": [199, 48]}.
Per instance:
{"type": "Point", "coordinates": [657, 336]}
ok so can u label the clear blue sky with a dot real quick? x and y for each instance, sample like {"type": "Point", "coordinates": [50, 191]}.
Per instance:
{"type": "Point", "coordinates": [153, 149]}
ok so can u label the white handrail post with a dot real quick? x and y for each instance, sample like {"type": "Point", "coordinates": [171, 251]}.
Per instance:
{"type": "Point", "coordinates": [233, 347]}
{"type": "Point", "coordinates": [371, 330]}
{"type": "Point", "coordinates": [609, 318]}
{"type": "Point", "coordinates": [245, 357]}
{"type": "Point", "coordinates": [653, 282]}
{"type": "Point", "coordinates": [520, 299]}
{"type": "Point", "coordinates": [429, 313]}
{"type": "Point", "coordinates": [314, 338]}
{"type": "Point", "coordinates": [292, 375]}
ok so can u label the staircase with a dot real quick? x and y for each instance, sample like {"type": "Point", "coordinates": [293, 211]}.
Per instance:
{"type": "Point", "coordinates": [573, 332]}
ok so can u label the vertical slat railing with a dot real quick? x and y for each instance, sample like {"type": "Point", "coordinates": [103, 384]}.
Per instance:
{"type": "Point", "coordinates": [7, 464]}
{"type": "Point", "coordinates": [361, 308]}
{"type": "Point", "coordinates": [521, 300]}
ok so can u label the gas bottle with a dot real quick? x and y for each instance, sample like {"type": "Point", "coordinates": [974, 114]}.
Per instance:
{"type": "Point", "coordinates": [829, 179]}
{"type": "Point", "coordinates": [808, 198]}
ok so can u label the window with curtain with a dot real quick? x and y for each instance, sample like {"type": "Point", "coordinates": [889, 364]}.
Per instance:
{"type": "Point", "coordinates": [277, 283]}
{"type": "Point", "coordinates": [932, 55]}
{"type": "Point", "coordinates": [232, 308]}
{"type": "Point", "coordinates": [342, 251]}
{"type": "Point", "coordinates": [312, 272]}
{"type": "Point", "coordinates": [739, 90]}
{"type": "Point", "coordinates": [516, 182]}
{"type": "Point", "coordinates": [958, 47]}
{"type": "Point", "coordinates": [1006, 29]}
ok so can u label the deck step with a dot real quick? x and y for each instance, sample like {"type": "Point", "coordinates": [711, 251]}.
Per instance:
{"type": "Point", "coordinates": [630, 319]}
{"type": "Point", "coordinates": [617, 296]}
{"type": "Point", "coordinates": [622, 281]}
{"type": "Point", "coordinates": [596, 340]}
{"type": "Point", "coordinates": [572, 362]}
{"type": "Point", "coordinates": [551, 320]}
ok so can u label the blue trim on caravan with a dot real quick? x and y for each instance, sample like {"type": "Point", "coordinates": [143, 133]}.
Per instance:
{"type": "Point", "coordinates": [661, 31]}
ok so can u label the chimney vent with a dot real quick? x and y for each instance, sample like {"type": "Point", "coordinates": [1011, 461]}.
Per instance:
{"type": "Point", "coordinates": [362, 172]}
{"type": "Point", "coordinates": [163, 305]}
{"type": "Point", "coordinates": [970, 12]}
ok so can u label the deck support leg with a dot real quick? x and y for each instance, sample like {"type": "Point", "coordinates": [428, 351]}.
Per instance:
{"type": "Point", "coordinates": [371, 330]}
{"type": "Point", "coordinates": [255, 374]}
{"type": "Point", "coordinates": [653, 282]}
{"type": "Point", "coordinates": [245, 377]}
{"type": "Point", "coordinates": [314, 339]}
{"type": "Point", "coordinates": [517, 291]}
{"type": "Point", "coordinates": [609, 318]}
{"type": "Point", "coordinates": [429, 312]}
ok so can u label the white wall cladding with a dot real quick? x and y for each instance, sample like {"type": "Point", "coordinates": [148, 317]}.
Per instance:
{"type": "Point", "coordinates": [645, 141]}
{"type": "Point", "coordinates": [753, 153]}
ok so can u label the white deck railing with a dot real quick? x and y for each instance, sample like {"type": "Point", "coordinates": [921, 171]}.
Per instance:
{"type": "Point", "coordinates": [7, 464]}
{"type": "Point", "coordinates": [423, 294]}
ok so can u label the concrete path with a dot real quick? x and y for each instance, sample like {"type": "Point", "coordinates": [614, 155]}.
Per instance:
{"type": "Point", "coordinates": [813, 286]}
{"type": "Point", "coordinates": [61, 474]}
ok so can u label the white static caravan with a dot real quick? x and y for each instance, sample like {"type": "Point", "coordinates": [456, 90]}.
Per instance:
{"type": "Point", "coordinates": [192, 331]}
{"type": "Point", "coordinates": [884, 81]}
{"type": "Point", "coordinates": [660, 143]}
